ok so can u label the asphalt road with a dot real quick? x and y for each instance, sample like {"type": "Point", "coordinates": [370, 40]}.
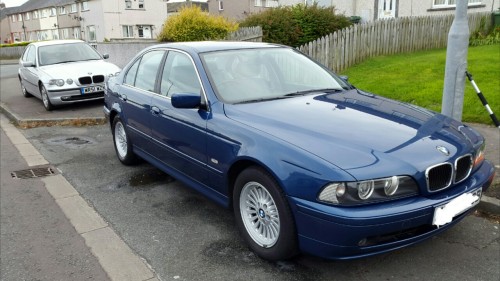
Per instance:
{"type": "Point", "coordinates": [184, 236]}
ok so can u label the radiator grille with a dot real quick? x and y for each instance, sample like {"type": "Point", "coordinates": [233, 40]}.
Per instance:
{"type": "Point", "coordinates": [463, 167]}
{"type": "Point", "coordinates": [439, 176]}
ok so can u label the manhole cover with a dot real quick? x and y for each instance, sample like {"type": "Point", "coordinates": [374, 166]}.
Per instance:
{"type": "Point", "coordinates": [33, 173]}
{"type": "Point", "coordinates": [71, 141]}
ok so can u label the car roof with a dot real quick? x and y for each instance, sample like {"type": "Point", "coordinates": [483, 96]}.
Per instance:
{"type": "Point", "coordinates": [213, 46]}
{"type": "Point", "coordinates": [55, 42]}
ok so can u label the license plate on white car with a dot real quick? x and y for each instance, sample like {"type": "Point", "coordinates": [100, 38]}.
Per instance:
{"type": "Point", "coordinates": [91, 89]}
{"type": "Point", "coordinates": [445, 213]}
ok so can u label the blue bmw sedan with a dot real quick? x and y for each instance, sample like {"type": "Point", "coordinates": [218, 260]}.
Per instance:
{"type": "Point", "coordinates": [307, 162]}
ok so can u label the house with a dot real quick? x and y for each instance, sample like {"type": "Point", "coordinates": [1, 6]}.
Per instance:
{"type": "Point", "coordinates": [5, 35]}
{"type": "Point", "coordinates": [90, 20]}
{"type": "Point", "coordinates": [370, 10]}
{"type": "Point", "coordinates": [240, 9]}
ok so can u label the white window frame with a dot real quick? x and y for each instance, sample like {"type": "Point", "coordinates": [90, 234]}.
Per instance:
{"type": "Point", "coordinates": [27, 16]}
{"type": "Point", "coordinates": [141, 4]}
{"type": "Point", "coordinates": [35, 14]}
{"type": "Point", "coordinates": [84, 6]}
{"type": "Point", "coordinates": [221, 5]}
{"type": "Point", "coordinates": [271, 3]}
{"type": "Point", "coordinates": [13, 18]}
{"type": "Point", "coordinates": [128, 4]}
{"type": "Point", "coordinates": [19, 17]}
{"type": "Point", "coordinates": [130, 31]}
{"type": "Point", "coordinates": [44, 14]}
{"type": "Point", "coordinates": [258, 3]}
{"type": "Point", "coordinates": [74, 8]}
{"type": "Point", "coordinates": [453, 3]}
{"type": "Point", "coordinates": [62, 10]}
{"type": "Point", "coordinates": [89, 27]}
{"type": "Point", "coordinates": [53, 12]}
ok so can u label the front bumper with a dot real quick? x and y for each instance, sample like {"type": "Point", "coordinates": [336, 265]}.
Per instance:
{"type": "Point", "coordinates": [65, 96]}
{"type": "Point", "coordinates": [354, 232]}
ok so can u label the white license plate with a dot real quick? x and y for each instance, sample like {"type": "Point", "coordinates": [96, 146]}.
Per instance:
{"type": "Point", "coordinates": [91, 89]}
{"type": "Point", "coordinates": [445, 213]}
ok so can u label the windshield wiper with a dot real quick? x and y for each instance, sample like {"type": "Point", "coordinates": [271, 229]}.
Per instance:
{"type": "Point", "coordinates": [66, 61]}
{"type": "Point", "coordinates": [262, 99]}
{"type": "Point", "coordinates": [303, 93]}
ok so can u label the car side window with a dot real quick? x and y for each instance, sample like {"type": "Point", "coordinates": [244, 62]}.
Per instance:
{"type": "Point", "coordinates": [131, 73]}
{"type": "Point", "coordinates": [29, 54]}
{"type": "Point", "coordinates": [148, 69]}
{"type": "Point", "coordinates": [179, 75]}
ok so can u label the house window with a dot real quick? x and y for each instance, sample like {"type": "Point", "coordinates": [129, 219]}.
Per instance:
{"type": "Point", "coordinates": [144, 31]}
{"type": "Point", "coordinates": [53, 12]}
{"type": "Point", "coordinates": [62, 10]}
{"type": "Point", "coordinates": [19, 17]}
{"type": "Point", "coordinates": [65, 33]}
{"type": "Point", "coordinates": [76, 33]}
{"type": "Point", "coordinates": [44, 13]}
{"type": "Point", "coordinates": [128, 4]}
{"type": "Point", "coordinates": [258, 3]}
{"type": "Point", "coordinates": [141, 4]}
{"type": "Point", "coordinates": [221, 6]}
{"type": "Point", "coordinates": [13, 18]}
{"type": "Point", "coordinates": [128, 31]}
{"type": "Point", "coordinates": [84, 6]}
{"type": "Point", "coordinates": [73, 8]}
{"type": "Point", "coordinates": [35, 14]}
{"type": "Point", "coordinates": [27, 16]}
{"type": "Point", "coordinates": [91, 33]}
{"type": "Point", "coordinates": [55, 34]}
{"type": "Point", "coordinates": [271, 3]}
{"type": "Point", "coordinates": [448, 3]}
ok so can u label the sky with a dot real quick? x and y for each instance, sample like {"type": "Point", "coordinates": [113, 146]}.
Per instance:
{"type": "Point", "coordinates": [13, 3]}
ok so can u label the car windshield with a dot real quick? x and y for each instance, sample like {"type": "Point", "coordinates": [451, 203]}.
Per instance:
{"type": "Point", "coordinates": [254, 75]}
{"type": "Point", "coordinates": [63, 53]}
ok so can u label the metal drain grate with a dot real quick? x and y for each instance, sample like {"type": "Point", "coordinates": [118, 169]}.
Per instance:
{"type": "Point", "coordinates": [33, 173]}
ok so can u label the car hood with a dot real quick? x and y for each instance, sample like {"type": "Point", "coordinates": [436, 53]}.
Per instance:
{"type": "Point", "coordinates": [77, 69]}
{"type": "Point", "coordinates": [359, 132]}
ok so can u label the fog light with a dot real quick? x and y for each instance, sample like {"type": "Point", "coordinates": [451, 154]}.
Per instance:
{"type": "Point", "coordinates": [365, 189]}
{"type": "Point", "coordinates": [69, 81]}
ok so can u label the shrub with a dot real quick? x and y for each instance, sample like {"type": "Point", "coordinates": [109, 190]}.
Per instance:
{"type": "Point", "coordinates": [297, 25]}
{"type": "Point", "coordinates": [481, 38]}
{"type": "Point", "coordinates": [191, 24]}
{"type": "Point", "coordinates": [20, 44]}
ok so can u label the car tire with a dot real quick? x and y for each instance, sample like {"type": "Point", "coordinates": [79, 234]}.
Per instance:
{"type": "Point", "coordinates": [26, 94]}
{"type": "Point", "coordinates": [263, 215]}
{"type": "Point", "coordinates": [45, 98]}
{"type": "Point", "coordinates": [121, 141]}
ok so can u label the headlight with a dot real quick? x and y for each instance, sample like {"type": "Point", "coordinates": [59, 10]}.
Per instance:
{"type": "Point", "coordinates": [113, 74]}
{"type": "Point", "coordinates": [479, 155]}
{"type": "Point", "coordinates": [369, 191]}
{"type": "Point", "coordinates": [58, 82]}
{"type": "Point", "coordinates": [69, 81]}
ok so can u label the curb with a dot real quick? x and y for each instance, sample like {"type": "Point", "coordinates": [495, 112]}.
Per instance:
{"type": "Point", "coordinates": [33, 123]}
{"type": "Point", "coordinates": [489, 205]}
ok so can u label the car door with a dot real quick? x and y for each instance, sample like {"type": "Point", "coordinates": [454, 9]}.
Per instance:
{"type": "Point", "coordinates": [180, 134]}
{"type": "Point", "coordinates": [135, 95]}
{"type": "Point", "coordinates": [29, 75]}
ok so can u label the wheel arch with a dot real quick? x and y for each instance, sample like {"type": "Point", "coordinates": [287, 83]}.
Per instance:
{"type": "Point", "coordinates": [239, 166]}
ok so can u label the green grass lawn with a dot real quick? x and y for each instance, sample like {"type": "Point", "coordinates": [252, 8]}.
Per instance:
{"type": "Point", "coordinates": [418, 78]}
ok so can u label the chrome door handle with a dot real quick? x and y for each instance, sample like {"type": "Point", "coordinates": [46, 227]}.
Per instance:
{"type": "Point", "coordinates": [155, 110]}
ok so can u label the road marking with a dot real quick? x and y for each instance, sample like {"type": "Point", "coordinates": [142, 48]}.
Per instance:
{"type": "Point", "coordinates": [114, 255]}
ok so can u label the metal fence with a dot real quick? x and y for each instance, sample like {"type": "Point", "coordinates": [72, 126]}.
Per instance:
{"type": "Point", "coordinates": [352, 45]}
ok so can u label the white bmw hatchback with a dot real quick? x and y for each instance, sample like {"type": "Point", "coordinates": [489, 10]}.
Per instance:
{"type": "Point", "coordinates": [63, 71]}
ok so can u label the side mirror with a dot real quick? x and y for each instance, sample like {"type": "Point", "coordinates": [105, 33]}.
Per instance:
{"type": "Point", "coordinates": [186, 100]}
{"type": "Point", "coordinates": [345, 78]}
{"type": "Point", "coordinates": [105, 56]}
{"type": "Point", "coordinates": [28, 64]}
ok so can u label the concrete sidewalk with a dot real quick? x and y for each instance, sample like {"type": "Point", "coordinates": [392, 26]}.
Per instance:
{"type": "Point", "coordinates": [49, 232]}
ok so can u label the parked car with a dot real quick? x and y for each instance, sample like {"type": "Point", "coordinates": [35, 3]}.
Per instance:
{"type": "Point", "coordinates": [63, 71]}
{"type": "Point", "coordinates": [306, 161]}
